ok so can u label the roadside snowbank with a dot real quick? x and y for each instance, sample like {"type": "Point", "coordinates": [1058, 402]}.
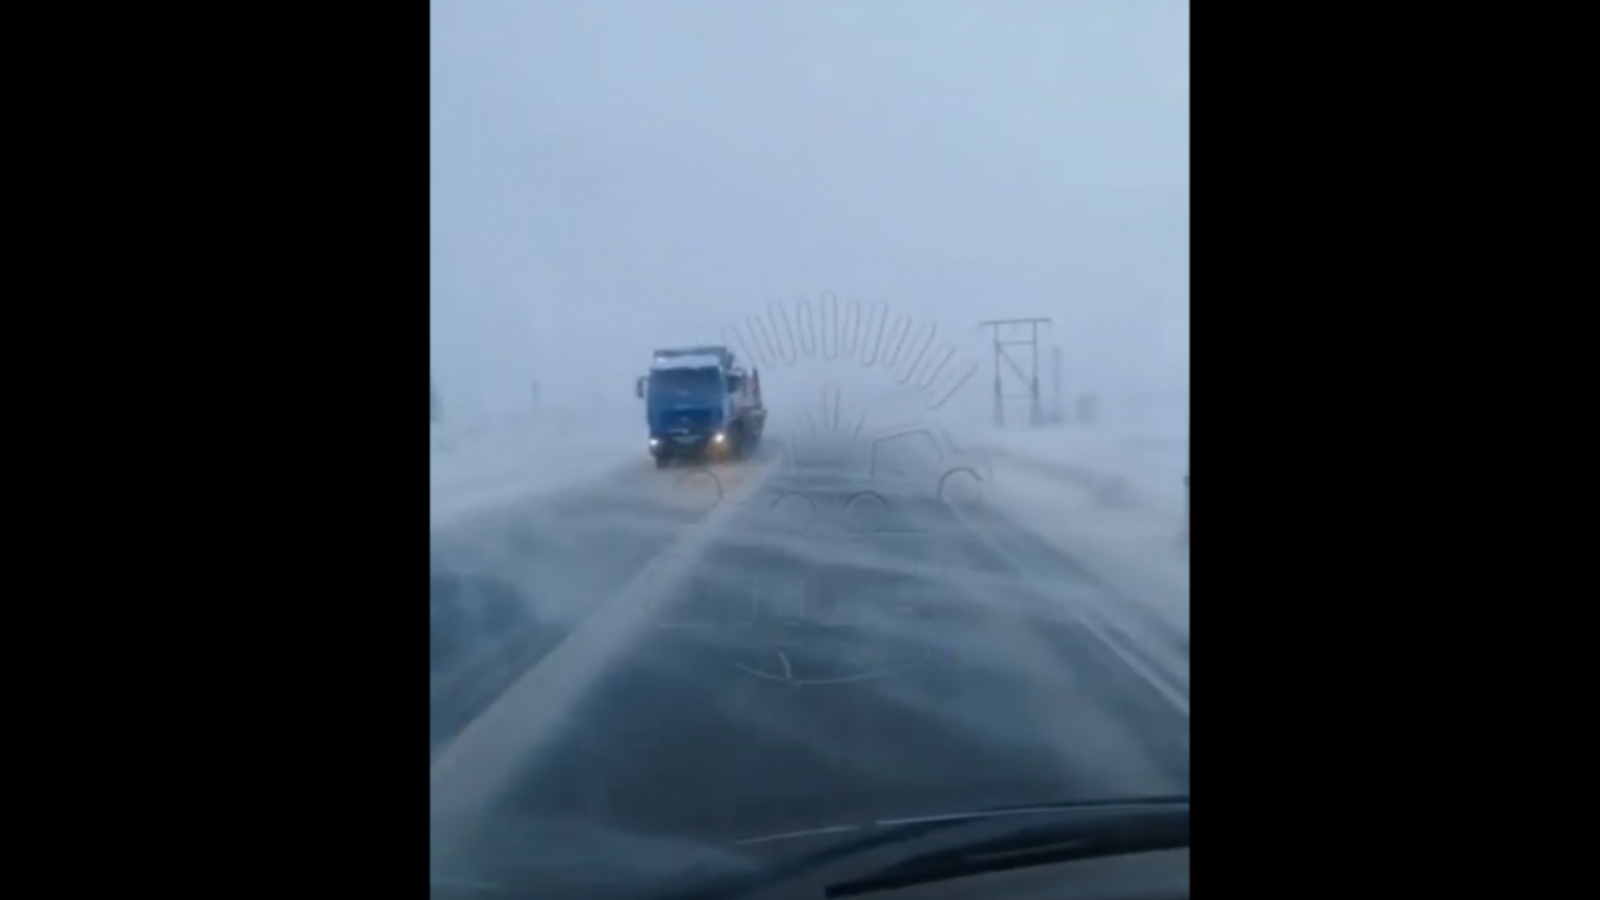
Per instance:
{"type": "Point", "coordinates": [1116, 505]}
{"type": "Point", "coordinates": [1140, 553]}
{"type": "Point", "coordinates": [476, 469]}
{"type": "Point", "coordinates": [1135, 470]}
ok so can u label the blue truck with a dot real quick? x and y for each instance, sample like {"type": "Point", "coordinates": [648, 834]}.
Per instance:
{"type": "Point", "coordinates": [700, 404]}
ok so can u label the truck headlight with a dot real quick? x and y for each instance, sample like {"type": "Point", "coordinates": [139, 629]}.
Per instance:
{"type": "Point", "coordinates": [655, 442]}
{"type": "Point", "coordinates": [717, 437]}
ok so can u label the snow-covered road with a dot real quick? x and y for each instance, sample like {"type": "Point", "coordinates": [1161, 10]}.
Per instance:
{"type": "Point", "coordinates": [1118, 505]}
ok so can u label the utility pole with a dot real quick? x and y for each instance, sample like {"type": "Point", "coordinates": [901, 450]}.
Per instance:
{"type": "Point", "coordinates": [1035, 411]}
{"type": "Point", "coordinates": [1058, 409]}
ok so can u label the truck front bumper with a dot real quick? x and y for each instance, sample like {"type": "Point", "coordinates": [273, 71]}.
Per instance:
{"type": "Point", "coordinates": [688, 444]}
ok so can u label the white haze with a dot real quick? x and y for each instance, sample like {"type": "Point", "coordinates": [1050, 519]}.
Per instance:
{"type": "Point", "coordinates": [607, 178]}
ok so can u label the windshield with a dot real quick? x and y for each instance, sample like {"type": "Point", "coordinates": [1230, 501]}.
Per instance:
{"type": "Point", "coordinates": [672, 384]}
{"type": "Point", "coordinates": [933, 559]}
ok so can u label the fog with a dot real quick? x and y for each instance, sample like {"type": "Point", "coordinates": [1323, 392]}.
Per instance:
{"type": "Point", "coordinates": [840, 191]}
{"type": "Point", "coordinates": [607, 178]}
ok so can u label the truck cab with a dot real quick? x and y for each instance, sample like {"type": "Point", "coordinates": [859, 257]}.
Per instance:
{"type": "Point", "coordinates": [699, 404]}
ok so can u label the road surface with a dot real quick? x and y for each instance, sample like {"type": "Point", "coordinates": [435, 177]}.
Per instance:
{"type": "Point", "coordinates": [826, 667]}
{"type": "Point", "coordinates": [508, 585]}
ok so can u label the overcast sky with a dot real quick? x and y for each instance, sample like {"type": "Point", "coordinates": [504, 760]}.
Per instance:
{"type": "Point", "coordinates": [609, 176]}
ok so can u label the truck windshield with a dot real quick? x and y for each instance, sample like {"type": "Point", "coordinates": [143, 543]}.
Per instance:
{"type": "Point", "coordinates": [685, 382]}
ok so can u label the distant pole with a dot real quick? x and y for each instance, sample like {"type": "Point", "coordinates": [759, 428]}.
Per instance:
{"type": "Point", "coordinates": [999, 396]}
{"type": "Point", "coordinates": [1035, 411]}
{"type": "Point", "coordinates": [1031, 378]}
{"type": "Point", "coordinates": [1058, 410]}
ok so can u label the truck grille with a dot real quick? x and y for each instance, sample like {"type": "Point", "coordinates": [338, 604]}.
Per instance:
{"type": "Point", "coordinates": [688, 422]}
